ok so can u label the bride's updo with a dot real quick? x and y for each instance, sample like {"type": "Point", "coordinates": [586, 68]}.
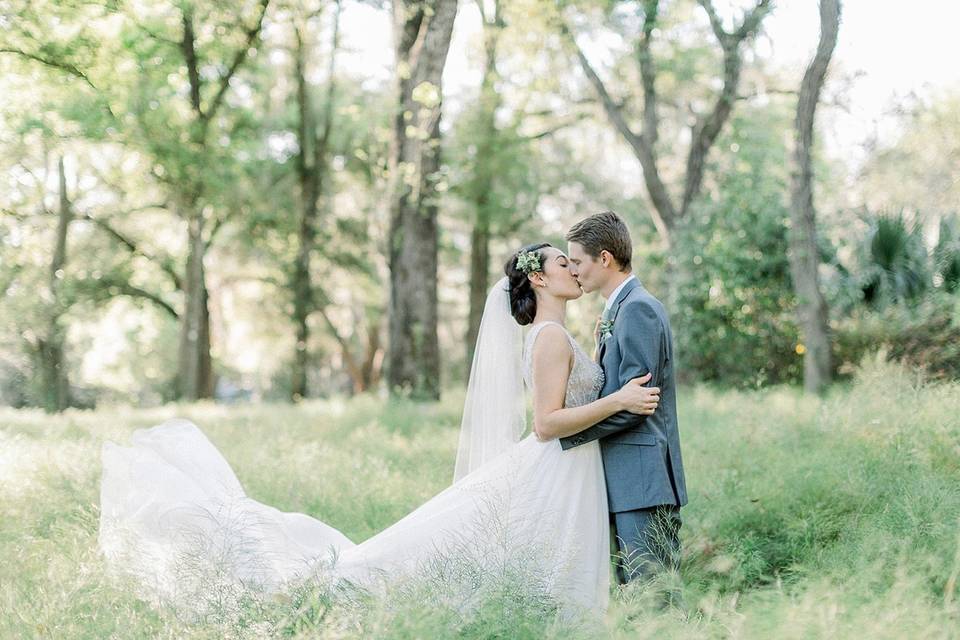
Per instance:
{"type": "Point", "coordinates": [523, 301]}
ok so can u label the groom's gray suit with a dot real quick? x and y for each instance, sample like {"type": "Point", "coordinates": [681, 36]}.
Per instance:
{"type": "Point", "coordinates": [641, 454]}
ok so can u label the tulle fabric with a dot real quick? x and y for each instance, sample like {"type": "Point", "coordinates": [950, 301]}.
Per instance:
{"type": "Point", "coordinates": [175, 517]}
{"type": "Point", "coordinates": [494, 410]}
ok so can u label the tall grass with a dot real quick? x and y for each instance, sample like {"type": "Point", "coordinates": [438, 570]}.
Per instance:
{"type": "Point", "coordinates": [808, 518]}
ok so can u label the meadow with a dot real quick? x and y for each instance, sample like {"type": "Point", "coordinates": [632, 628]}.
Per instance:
{"type": "Point", "coordinates": [808, 518]}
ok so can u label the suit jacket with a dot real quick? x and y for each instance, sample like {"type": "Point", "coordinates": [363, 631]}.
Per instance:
{"type": "Point", "coordinates": [641, 454]}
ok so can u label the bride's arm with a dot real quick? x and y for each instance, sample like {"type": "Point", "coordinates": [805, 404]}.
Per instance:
{"type": "Point", "coordinates": [552, 361]}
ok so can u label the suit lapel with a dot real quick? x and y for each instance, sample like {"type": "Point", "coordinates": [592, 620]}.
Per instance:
{"type": "Point", "coordinates": [627, 288]}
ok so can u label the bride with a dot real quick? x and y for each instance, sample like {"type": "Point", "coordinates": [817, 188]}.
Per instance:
{"type": "Point", "coordinates": [176, 518]}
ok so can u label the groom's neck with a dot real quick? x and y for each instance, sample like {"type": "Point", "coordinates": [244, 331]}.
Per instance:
{"type": "Point", "coordinates": [615, 281]}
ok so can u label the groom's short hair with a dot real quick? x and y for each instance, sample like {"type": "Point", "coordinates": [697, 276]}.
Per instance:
{"type": "Point", "coordinates": [604, 230]}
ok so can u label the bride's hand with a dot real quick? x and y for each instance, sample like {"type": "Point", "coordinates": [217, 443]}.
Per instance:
{"type": "Point", "coordinates": [639, 399]}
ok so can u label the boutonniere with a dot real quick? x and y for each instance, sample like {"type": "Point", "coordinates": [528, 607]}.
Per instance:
{"type": "Point", "coordinates": [606, 329]}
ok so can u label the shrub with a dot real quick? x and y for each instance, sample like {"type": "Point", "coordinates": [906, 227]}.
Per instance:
{"type": "Point", "coordinates": [925, 336]}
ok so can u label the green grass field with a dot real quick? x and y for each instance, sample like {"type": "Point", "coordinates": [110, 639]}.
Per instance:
{"type": "Point", "coordinates": [833, 518]}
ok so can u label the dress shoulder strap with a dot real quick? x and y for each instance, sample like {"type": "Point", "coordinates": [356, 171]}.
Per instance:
{"type": "Point", "coordinates": [528, 347]}
{"type": "Point", "coordinates": [535, 331]}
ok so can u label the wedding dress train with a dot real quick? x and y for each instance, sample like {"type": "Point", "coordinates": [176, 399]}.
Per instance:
{"type": "Point", "coordinates": [176, 518]}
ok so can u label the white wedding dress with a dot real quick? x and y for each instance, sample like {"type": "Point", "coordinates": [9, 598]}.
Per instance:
{"type": "Point", "coordinates": [176, 518]}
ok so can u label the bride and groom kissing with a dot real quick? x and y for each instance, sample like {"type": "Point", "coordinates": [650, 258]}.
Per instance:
{"type": "Point", "coordinates": [602, 461]}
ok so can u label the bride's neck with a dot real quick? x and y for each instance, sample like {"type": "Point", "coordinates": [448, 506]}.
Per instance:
{"type": "Point", "coordinates": [550, 308]}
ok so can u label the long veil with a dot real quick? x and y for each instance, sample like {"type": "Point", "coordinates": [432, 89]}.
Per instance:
{"type": "Point", "coordinates": [494, 412]}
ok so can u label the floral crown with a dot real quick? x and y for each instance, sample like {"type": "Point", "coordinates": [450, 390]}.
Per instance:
{"type": "Point", "coordinates": [528, 262]}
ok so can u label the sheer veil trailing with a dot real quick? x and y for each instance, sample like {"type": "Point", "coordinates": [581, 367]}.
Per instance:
{"type": "Point", "coordinates": [494, 412]}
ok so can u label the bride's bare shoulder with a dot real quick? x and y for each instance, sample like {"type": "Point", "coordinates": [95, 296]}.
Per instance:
{"type": "Point", "coordinates": [551, 338]}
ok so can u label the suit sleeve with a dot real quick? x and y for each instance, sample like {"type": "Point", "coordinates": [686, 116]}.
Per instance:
{"type": "Point", "coordinates": [640, 336]}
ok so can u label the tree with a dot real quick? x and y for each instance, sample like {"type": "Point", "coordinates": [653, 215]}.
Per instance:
{"type": "Point", "coordinates": [319, 259]}
{"type": "Point", "coordinates": [738, 321]}
{"type": "Point", "coordinates": [493, 167]}
{"type": "Point", "coordinates": [422, 32]}
{"type": "Point", "coordinates": [171, 107]}
{"type": "Point", "coordinates": [195, 369]}
{"type": "Point", "coordinates": [813, 315]}
{"type": "Point", "coordinates": [312, 162]}
{"type": "Point", "coordinates": [915, 171]}
{"type": "Point", "coordinates": [667, 212]}
{"type": "Point", "coordinates": [48, 344]}
{"type": "Point", "coordinates": [490, 101]}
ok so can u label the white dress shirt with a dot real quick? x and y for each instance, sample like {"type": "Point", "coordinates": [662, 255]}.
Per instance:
{"type": "Point", "coordinates": [616, 292]}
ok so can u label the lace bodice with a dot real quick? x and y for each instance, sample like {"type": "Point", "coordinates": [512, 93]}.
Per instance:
{"type": "Point", "coordinates": [586, 377]}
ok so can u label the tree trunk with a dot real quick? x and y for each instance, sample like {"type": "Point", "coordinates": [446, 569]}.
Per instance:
{"type": "Point", "coordinates": [195, 363]}
{"type": "Point", "coordinates": [195, 369]}
{"type": "Point", "coordinates": [480, 236]}
{"type": "Point", "coordinates": [55, 382]}
{"type": "Point", "coordinates": [307, 173]}
{"type": "Point", "coordinates": [804, 255]}
{"type": "Point", "coordinates": [373, 360]}
{"type": "Point", "coordinates": [479, 270]}
{"type": "Point", "coordinates": [301, 313]}
{"type": "Point", "coordinates": [667, 214]}
{"type": "Point", "coordinates": [311, 168]}
{"type": "Point", "coordinates": [422, 32]}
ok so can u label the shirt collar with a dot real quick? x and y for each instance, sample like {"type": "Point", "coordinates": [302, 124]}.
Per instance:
{"type": "Point", "coordinates": [616, 292]}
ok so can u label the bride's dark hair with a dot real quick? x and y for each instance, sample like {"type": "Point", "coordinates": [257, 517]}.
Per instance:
{"type": "Point", "coordinates": [523, 301]}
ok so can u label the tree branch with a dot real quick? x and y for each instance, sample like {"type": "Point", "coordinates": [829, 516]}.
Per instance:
{"type": "Point", "coordinates": [219, 223]}
{"type": "Point", "coordinates": [348, 357]}
{"type": "Point", "coordinates": [127, 289]}
{"type": "Point", "coordinates": [345, 350]}
{"type": "Point", "coordinates": [187, 46]}
{"type": "Point", "coordinates": [749, 23]}
{"type": "Point", "coordinates": [251, 34]}
{"type": "Point", "coordinates": [56, 64]}
{"type": "Point", "coordinates": [159, 38]}
{"type": "Point", "coordinates": [164, 263]}
{"type": "Point", "coordinates": [322, 143]}
{"type": "Point", "coordinates": [22, 217]}
{"type": "Point", "coordinates": [609, 105]}
{"type": "Point", "coordinates": [752, 20]}
{"type": "Point", "coordinates": [648, 77]}
{"type": "Point", "coordinates": [715, 22]}
{"type": "Point", "coordinates": [66, 67]}
{"type": "Point", "coordinates": [136, 292]}
{"type": "Point", "coordinates": [549, 131]}
{"type": "Point", "coordinates": [707, 128]}
{"type": "Point", "coordinates": [663, 211]}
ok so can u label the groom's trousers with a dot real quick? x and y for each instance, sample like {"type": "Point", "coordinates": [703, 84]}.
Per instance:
{"type": "Point", "coordinates": [647, 542]}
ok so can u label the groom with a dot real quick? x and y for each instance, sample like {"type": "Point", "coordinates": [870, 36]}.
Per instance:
{"type": "Point", "coordinates": [641, 454]}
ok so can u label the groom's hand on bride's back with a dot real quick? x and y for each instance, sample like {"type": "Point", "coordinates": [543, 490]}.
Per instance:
{"type": "Point", "coordinates": [637, 398]}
